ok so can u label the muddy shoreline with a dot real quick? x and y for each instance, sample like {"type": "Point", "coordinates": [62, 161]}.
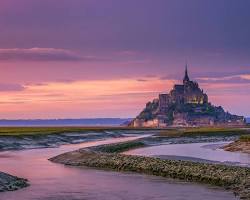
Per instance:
{"type": "Point", "coordinates": [238, 146]}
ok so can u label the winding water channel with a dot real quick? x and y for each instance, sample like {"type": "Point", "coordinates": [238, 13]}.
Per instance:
{"type": "Point", "coordinates": [199, 152]}
{"type": "Point", "coordinates": [50, 181]}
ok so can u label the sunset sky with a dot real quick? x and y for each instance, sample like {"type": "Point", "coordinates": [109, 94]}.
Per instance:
{"type": "Point", "coordinates": [107, 58]}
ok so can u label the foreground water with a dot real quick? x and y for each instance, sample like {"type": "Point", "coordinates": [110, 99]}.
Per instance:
{"type": "Point", "coordinates": [50, 181]}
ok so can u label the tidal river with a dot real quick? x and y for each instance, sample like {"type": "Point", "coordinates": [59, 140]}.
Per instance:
{"type": "Point", "coordinates": [50, 181]}
{"type": "Point", "coordinates": [199, 152]}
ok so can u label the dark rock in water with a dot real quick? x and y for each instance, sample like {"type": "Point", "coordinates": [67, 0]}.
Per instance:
{"type": "Point", "coordinates": [11, 183]}
{"type": "Point", "coordinates": [185, 105]}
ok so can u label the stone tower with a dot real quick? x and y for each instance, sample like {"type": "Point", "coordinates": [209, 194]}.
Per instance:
{"type": "Point", "coordinates": [186, 78]}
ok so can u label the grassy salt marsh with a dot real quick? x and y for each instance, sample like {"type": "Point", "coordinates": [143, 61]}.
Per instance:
{"type": "Point", "coordinates": [168, 132]}
{"type": "Point", "coordinates": [33, 131]}
{"type": "Point", "coordinates": [119, 147]}
{"type": "Point", "coordinates": [209, 131]}
{"type": "Point", "coordinates": [245, 138]}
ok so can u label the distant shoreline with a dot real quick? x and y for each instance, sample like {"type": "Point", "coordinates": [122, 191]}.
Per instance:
{"type": "Point", "coordinates": [64, 122]}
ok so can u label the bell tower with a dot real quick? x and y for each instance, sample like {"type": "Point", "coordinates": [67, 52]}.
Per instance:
{"type": "Point", "coordinates": [186, 78]}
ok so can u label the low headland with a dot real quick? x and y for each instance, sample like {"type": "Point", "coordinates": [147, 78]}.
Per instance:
{"type": "Point", "coordinates": [11, 183]}
{"type": "Point", "coordinates": [240, 145]}
{"type": "Point", "coordinates": [109, 156]}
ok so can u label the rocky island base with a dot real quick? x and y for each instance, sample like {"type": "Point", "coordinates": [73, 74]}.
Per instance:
{"type": "Point", "coordinates": [11, 183]}
{"type": "Point", "coordinates": [236, 179]}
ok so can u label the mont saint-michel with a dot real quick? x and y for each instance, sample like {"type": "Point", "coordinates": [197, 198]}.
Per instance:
{"type": "Point", "coordinates": [185, 105]}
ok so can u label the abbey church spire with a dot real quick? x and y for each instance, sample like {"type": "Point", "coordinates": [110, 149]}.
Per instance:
{"type": "Point", "coordinates": [186, 78]}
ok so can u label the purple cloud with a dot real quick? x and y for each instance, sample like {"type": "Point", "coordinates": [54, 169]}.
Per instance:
{"type": "Point", "coordinates": [8, 87]}
{"type": "Point", "coordinates": [42, 54]}
{"type": "Point", "coordinates": [236, 79]}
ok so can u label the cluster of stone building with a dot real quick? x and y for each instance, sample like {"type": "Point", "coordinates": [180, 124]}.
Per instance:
{"type": "Point", "coordinates": [185, 105]}
{"type": "Point", "coordinates": [189, 92]}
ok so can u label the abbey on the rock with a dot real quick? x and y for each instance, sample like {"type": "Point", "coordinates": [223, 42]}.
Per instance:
{"type": "Point", "coordinates": [188, 93]}
{"type": "Point", "coordinates": [185, 105]}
